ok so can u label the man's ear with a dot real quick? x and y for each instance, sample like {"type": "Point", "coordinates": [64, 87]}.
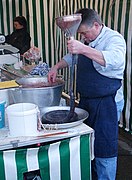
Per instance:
{"type": "Point", "coordinates": [96, 25]}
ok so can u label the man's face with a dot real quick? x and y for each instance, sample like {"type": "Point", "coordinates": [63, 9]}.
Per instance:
{"type": "Point", "coordinates": [89, 34]}
{"type": "Point", "coordinates": [17, 25]}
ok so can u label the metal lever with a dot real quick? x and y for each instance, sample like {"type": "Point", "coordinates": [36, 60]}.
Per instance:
{"type": "Point", "coordinates": [72, 97]}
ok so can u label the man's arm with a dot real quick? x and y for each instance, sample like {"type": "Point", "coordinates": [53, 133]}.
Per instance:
{"type": "Point", "coordinates": [54, 70]}
{"type": "Point", "coordinates": [77, 47]}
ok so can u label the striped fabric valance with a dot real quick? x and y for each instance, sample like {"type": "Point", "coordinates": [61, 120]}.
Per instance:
{"type": "Point", "coordinates": [48, 37]}
{"type": "Point", "coordinates": [64, 160]}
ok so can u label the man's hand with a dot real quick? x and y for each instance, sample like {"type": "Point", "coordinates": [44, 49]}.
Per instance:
{"type": "Point", "coordinates": [54, 70]}
{"type": "Point", "coordinates": [52, 74]}
{"type": "Point", "coordinates": [75, 47]}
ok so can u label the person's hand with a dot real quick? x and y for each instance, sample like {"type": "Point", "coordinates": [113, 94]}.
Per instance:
{"type": "Point", "coordinates": [52, 74]}
{"type": "Point", "coordinates": [75, 46]}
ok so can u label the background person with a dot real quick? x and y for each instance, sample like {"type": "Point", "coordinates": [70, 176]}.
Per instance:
{"type": "Point", "coordinates": [20, 38]}
{"type": "Point", "coordinates": [100, 68]}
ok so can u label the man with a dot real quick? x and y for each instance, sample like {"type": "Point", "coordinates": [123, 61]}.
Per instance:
{"type": "Point", "coordinates": [101, 63]}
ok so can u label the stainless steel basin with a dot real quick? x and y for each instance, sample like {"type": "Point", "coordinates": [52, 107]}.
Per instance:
{"type": "Point", "coordinates": [43, 96]}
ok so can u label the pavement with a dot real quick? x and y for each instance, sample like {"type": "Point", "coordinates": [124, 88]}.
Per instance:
{"type": "Point", "coordinates": [124, 165]}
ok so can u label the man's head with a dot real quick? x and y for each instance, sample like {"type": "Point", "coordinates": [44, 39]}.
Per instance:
{"type": "Point", "coordinates": [91, 24]}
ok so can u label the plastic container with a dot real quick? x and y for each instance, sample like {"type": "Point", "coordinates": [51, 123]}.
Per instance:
{"type": "Point", "coordinates": [2, 113]}
{"type": "Point", "coordinates": [22, 119]}
{"type": "Point", "coordinates": [4, 96]}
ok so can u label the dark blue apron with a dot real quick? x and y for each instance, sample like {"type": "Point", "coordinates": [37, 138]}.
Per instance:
{"type": "Point", "coordinates": [97, 96]}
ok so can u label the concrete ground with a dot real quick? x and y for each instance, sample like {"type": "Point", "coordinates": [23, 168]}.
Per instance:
{"type": "Point", "coordinates": [124, 167]}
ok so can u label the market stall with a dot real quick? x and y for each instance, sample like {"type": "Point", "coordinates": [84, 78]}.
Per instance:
{"type": "Point", "coordinates": [53, 151]}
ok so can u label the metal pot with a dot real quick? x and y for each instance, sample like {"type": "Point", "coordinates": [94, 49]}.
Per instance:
{"type": "Point", "coordinates": [41, 96]}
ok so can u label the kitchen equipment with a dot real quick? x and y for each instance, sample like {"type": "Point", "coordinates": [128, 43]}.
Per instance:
{"type": "Point", "coordinates": [9, 72]}
{"type": "Point", "coordinates": [55, 124]}
{"type": "Point", "coordinates": [33, 81]}
{"type": "Point", "coordinates": [69, 24]}
{"type": "Point", "coordinates": [22, 119]}
{"type": "Point", "coordinates": [7, 75]}
{"type": "Point", "coordinates": [8, 54]}
{"type": "Point", "coordinates": [37, 91]}
{"type": "Point", "coordinates": [2, 38]}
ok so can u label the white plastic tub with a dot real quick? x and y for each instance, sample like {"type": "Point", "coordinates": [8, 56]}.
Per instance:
{"type": "Point", "coordinates": [22, 119]}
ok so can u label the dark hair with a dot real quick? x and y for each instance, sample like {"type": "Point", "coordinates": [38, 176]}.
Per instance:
{"type": "Point", "coordinates": [89, 16]}
{"type": "Point", "coordinates": [21, 20]}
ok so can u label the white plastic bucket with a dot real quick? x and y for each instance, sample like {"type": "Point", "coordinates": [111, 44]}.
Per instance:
{"type": "Point", "coordinates": [22, 119]}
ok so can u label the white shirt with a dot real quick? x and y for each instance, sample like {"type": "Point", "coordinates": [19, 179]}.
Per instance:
{"type": "Point", "coordinates": [113, 47]}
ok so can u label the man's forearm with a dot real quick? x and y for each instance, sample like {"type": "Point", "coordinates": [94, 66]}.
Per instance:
{"type": "Point", "coordinates": [61, 64]}
{"type": "Point", "coordinates": [94, 54]}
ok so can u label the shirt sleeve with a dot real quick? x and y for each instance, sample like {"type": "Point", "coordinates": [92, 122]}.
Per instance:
{"type": "Point", "coordinates": [114, 53]}
{"type": "Point", "coordinates": [68, 59]}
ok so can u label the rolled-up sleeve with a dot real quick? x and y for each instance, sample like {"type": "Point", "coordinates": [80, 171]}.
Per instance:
{"type": "Point", "coordinates": [114, 53]}
{"type": "Point", "coordinates": [113, 50]}
{"type": "Point", "coordinates": [68, 59]}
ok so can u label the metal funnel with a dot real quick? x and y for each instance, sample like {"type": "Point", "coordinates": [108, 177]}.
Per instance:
{"type": "Point", "coordinates": [69, 24]}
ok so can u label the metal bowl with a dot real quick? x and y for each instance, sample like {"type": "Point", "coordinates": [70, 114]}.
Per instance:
{"type": "Point", "coordinates": [31, 81]}
{"type": "Point", "coordinates": [41, 96]}
{"type": "Point", "coordinates": [82, 115]}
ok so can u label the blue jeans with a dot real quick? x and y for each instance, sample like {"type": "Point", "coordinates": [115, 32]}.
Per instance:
{"type": "Point", "coordinates": [105, 168]}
